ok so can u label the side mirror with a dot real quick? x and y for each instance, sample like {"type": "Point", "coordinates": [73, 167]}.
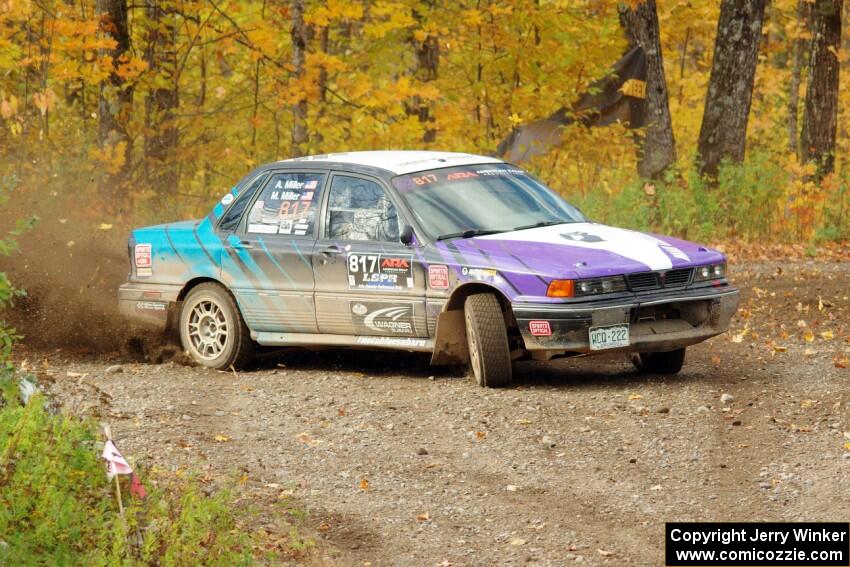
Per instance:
{"type": "Point", "coordinates": [406, 237]}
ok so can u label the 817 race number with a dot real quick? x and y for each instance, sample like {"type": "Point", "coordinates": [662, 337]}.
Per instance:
{"type": "Point", "coordinates": [386, 271]}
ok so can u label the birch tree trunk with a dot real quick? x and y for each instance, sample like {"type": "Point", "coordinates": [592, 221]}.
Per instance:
{"type": "Point", "coordinates": [657, 150]}
{"type": "Point", "coordinates": [161, 136]}
{"type": "Point", "coordinates": [298, 33]}
{"type": "Point", "coordinates": [115, 98]}
{"type": "Point", "coordinates": [723, 135]}
{"type": "Point", "coordinates": [820, 116]}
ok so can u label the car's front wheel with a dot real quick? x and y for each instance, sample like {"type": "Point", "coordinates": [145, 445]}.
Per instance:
{"type": "Point", "coordinates": [212, 330]}
{"type": "Point", "coordinates": [487, 338]}
{"type": "Point", "coordinates": [660, 362]}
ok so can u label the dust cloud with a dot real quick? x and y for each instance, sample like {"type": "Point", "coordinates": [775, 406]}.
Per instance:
{"type": "Point", "coordinates": [70, 265]}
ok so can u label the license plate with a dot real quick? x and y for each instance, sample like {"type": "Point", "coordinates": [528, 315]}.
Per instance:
{"type": "Point", "coordinates": [612, 336]}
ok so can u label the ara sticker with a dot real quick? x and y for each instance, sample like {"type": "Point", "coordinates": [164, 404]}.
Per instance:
{"type": "Point", "coordinates": [540, 328]}
{"type": "Point", "coordinates": [227, 199]}
{"type": "Point", "coordinates": [438, 276]}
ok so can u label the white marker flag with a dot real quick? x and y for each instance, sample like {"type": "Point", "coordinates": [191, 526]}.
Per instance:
{"type": "Point", "coordinates": [115, 461]}
{"type": "Point", "coordinates": [117, 464]}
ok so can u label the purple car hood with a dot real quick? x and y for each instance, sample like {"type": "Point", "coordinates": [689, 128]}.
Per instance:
{"type": "Point", "coordinates": [583, 250]}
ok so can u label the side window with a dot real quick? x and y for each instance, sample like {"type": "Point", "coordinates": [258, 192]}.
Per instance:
{"type": "Point", "coordinates": [359, 209]}
{"type": "Point", "coordinates": [287, 205]}
{"type": "Point", "coordinates": [230, 219]}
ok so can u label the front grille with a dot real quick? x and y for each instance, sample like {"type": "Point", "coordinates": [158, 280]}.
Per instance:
{"type": "Point", "coordinates": [645, 281]}
{"type": "Point", "coordinates": [677, 278]}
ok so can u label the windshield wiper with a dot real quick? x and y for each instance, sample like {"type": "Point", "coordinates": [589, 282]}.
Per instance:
{"type": "Point", "coordinates": [468, 233]}
{"type": "Point", "coordinates": [542, 223]}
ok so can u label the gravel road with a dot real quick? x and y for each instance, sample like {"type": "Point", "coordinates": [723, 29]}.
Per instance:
{"type": "Point", "coordinates": [580, 462]}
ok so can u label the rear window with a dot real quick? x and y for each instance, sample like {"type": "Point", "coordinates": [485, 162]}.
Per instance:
{"type": "Point", "coordinates": [287, 205]}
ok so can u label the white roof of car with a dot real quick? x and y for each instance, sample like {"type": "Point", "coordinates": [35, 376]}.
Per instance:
{"type": "Point", "coordinates": [402, 162]}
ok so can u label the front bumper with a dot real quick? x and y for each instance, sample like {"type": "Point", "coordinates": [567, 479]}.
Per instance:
{"type": "Point", "coordinates": [147, 303]}
{"type": "Point", "coordinates": [657, 322]}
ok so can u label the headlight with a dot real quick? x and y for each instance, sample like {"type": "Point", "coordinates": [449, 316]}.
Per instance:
{"type": "Point", "coordinates": [710, 272]}
{"type": "Point", "coordinates": [600, 285]}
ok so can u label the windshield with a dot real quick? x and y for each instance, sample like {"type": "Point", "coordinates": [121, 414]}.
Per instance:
{"type": "Point", "coordinates": [471, 200]}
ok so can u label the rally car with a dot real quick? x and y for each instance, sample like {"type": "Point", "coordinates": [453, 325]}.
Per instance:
{"type": "Point", "coordinates": [465, 257]}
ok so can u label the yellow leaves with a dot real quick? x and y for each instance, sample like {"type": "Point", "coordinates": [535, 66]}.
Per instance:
{"type": "Point", "coordinates": [808, 336]}
{"type": "Point", "coordinates": [333, 11]}
{"type": "Point", "coordinates": [827, 335]}
{"type": "Point", "coordinates": [104, 226]}
{"type": "Point", "coordinates": [364, 484]}
{"type": "Point", "coordinates": [472, 17]}
{"type": "Point", "coordinates": [423, 517]}
{"type": "Point", "coordinates": [219, 438]}
{"type": "Point", "coordinates": [111, 157]}
{"type": "Point", "coordinates": [130, 68]}
{"type": "Point", "coordinates": [387, 17]}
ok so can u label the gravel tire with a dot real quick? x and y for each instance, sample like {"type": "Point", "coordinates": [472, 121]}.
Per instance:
{"type": "Point", "coordinates": [212, 330]}
{"type": "Point", "coordinates": [661, 362]}
{"type": "Point", "coordinates": [487, 338]}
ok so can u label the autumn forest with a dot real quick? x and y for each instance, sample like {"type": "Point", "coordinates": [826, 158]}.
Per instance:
{"type": "Point", "coordinates": [152, 109]}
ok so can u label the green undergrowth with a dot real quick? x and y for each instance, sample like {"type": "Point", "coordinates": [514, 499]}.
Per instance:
{"type": "Point", "coordinates": [58, 508]}
{"type": "Point", "coordinates": [761, 201]}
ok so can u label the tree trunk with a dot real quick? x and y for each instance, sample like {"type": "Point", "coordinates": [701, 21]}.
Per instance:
{"type": "Point", "coordinates": [115, 98]}
{"type": "Point", "coordinates": [803, 16]}
{"type": "Point", "coordinates": [657, 150]}
{"type": "Point", "coordinates": [298, 33]}
{"type": "Point", "coordinates": [723, 135]}
{"type": "Point", "coordinates": [820, 116]}
{"type": "Point", "coordinates": [426, 64]}
{"type": "Point", "coordinates": [161, 135]}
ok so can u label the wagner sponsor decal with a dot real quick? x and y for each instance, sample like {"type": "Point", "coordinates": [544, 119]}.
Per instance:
{"type": "Point", "coordinates": [380, 271]}
{"type": "Point", "coordinates": [382, 317]}
{"type": "Point", "coordinates": [540, 328]}
{"type": "Point", "coordinates": [438, 276]}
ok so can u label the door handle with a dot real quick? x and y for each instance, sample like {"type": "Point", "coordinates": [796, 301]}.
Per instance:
{"type": "Point", "coordinates": [331, 250]}
{"type": "Point", "coordinates": [246, 244]}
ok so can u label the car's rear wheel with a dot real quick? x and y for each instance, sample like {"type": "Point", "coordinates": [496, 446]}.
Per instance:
{"type": "Point", "coordinates": [670, 362]}
{"type": "Point", "coordinates": [487, 338]}
{"type": "Point", "coordinates": [212, 330]}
